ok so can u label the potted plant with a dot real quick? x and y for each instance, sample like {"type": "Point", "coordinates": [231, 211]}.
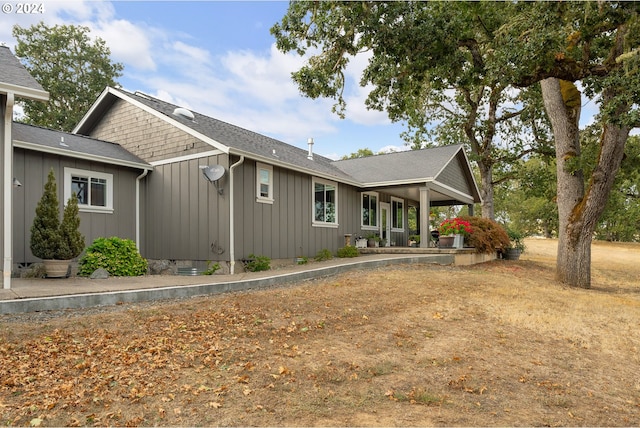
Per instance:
{"type": "Point", "coordinates": [55, 242]}
{"type": "Point", "coordinates": [453, 231]}
{"type": "Point", "coordinates": [373, 240]}
{"type": "Point", "coordinates": [516, 245]}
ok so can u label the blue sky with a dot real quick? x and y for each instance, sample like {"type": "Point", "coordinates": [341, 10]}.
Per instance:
{"type": "Point", "coordinates": [218, 58]}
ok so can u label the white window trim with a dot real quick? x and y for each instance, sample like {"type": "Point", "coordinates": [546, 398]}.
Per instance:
{"type": "Point", "coordinates": [314, 222]}
{"type": "Point", "coordinates": [404, 215]}
{"type": "Point", "coordinates": [368, 227]}
{"type": "Point", "coordinates": [260, 198]}
{"type": "Point", "coordinates": [69, 172]}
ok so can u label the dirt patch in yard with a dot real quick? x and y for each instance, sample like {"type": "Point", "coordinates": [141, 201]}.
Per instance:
{"type": "Point", "coordinates": [494, 344]}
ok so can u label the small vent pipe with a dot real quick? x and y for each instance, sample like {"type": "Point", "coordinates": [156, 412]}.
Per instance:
{"type": "Point", "coordinates": [310, 143]}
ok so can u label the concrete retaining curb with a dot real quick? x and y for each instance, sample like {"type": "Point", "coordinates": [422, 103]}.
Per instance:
{"type": "Point", "coordinates": [74, 301]}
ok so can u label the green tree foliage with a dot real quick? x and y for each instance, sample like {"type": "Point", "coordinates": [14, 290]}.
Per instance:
{"type": "Point", "coordinates": [45, 231]}
{"type": "Point", "coordinates": [72, 241]}
{"type": "Point", "coordinates": [50, 238]}
{"type": "Point", "coordinates": [361, 153]}
{"type": "Point", "coordinates": [620, 220]}
{"type": "Point", "coordinates": [68, 64]}
{"type": "Point", "coordinates": [430, 65]}
{"type": "Point", "coordinates": [527, 203]}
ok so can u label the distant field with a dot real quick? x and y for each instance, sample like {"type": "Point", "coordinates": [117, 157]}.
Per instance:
{"type": "Point", "coordinates": [497, 344]}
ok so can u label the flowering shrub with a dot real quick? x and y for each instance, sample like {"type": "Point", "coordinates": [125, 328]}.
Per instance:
{"type": "Point", "coordinates": [455, 226]}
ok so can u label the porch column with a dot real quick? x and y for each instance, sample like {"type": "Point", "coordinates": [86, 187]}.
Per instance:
{"type": "Point", "coordinates": [7, 189]}
{"type": "Point", "coordinates": [470, 209]}
{"type": "Point", "coordinates": [425, 208]}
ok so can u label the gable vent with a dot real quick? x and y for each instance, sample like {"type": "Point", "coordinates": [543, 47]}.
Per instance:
{"type": "Point", "coordinates": [184, 113]}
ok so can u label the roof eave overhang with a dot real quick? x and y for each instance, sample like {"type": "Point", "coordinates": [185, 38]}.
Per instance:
{"type": "Point", "coordinates": [470, 172]}
{"type": "Point", "coordinates": [411, 181]}
{"type": "Point", "coordinates": [293, 167]}
{"type": "Point", "coordinates": [84, 156]}
{"type": "Point", "coordinates": [24, 92]}
{"type": "Point", "coordinates": [453, 193]}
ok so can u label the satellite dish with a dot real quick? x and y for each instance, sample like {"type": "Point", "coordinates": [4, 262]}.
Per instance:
{"type": "Point", "coordinates": [212, 172]}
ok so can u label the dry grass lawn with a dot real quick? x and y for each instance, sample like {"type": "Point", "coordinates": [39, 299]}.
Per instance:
{"type": "Point", "coordinates": [490, 345]}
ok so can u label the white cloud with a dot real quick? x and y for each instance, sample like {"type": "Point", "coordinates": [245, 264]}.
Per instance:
{"type": "Point", "coordinates": [391, 148]}
{"type": "Point", "coordinates": [129, 43]}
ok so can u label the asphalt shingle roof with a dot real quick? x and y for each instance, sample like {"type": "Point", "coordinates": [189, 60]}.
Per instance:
{"type": "Point", "coordinates": [243, 141]}
{"type": "Point", "coordinates": [400, 166]}
{"type": "Point", "coordinates": [75, 145]}
{"type": "Point", "coordinates": [14, 73]}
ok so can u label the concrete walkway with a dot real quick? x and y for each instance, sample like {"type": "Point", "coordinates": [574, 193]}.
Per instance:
{"type": "Point", "coordinates": [33, 295]}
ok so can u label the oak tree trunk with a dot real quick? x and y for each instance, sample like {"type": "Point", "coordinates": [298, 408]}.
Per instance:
{"type": "Point", "coordinates": [579, 210]}
{"type": "Point", "coordinates": [486, 190]}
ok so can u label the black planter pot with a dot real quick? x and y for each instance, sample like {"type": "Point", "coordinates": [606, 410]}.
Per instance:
{"type": "Point", "coordinates": [512, 254]}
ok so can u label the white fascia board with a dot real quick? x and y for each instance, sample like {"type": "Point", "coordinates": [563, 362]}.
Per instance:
{"type": "Point", "coordinates": [278, 163]}
{"type": "Point", "coordinates": [473, 177]}
{"type": "Point", "coordinates": [467, 163]}
{"type": "Point", "coordinates": [207, 140]}
{"type": "Point", "coordinates": [84, 156]}
{"type": "Point", "coordinates": [24, 92]}
{"type": "Point", "coordinates": [444, 165]}
{"type": "Point", "coordinates": [417, 181]}
{"type": "Point", "coordinates": [93, 107]}
{"type": "Point", "coordinates": [450, 191]}
{"type": "Point", "coordinates": [187, 157]}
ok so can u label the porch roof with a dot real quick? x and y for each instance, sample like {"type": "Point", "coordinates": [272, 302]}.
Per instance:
{"type": "Point", "coordinates": [444, 170]}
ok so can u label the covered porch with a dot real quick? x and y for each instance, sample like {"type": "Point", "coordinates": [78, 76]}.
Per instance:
{"type": "Point", "coordinates": [420, 179]}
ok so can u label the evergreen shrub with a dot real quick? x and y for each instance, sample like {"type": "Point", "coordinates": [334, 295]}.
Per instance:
{"type": "Point", "coordinates": [51, 239]}
{"type": "Point", "coordinates": [118, 256]}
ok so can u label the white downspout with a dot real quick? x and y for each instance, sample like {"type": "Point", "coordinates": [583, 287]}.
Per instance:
{"type": "Point", "coordinates": [8, 194]}
{"type": "Point", "coordinates": [138, 179]}
{"type": "Point", "coordinates": [232, 247]}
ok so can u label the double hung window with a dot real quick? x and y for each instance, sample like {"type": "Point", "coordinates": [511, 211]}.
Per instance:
{"type": "Point", "coordinates": [325, 202]}
{"type": "Point", "coordinates": [264, 183]}
{"type": "Point", "coordinates": [397, 214]}
{"type": "Point", "coordinates": [369, 210]}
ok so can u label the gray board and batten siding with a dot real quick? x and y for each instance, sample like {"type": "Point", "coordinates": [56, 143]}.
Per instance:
{"type": "Point", "coordinates": [284, 228]}
{"type": "Point", "coordinates": [38, 150]}
{"type": "Point", "coordinates": [185, 218]}
{"type": "Point", "coordinates": [188, 219]}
